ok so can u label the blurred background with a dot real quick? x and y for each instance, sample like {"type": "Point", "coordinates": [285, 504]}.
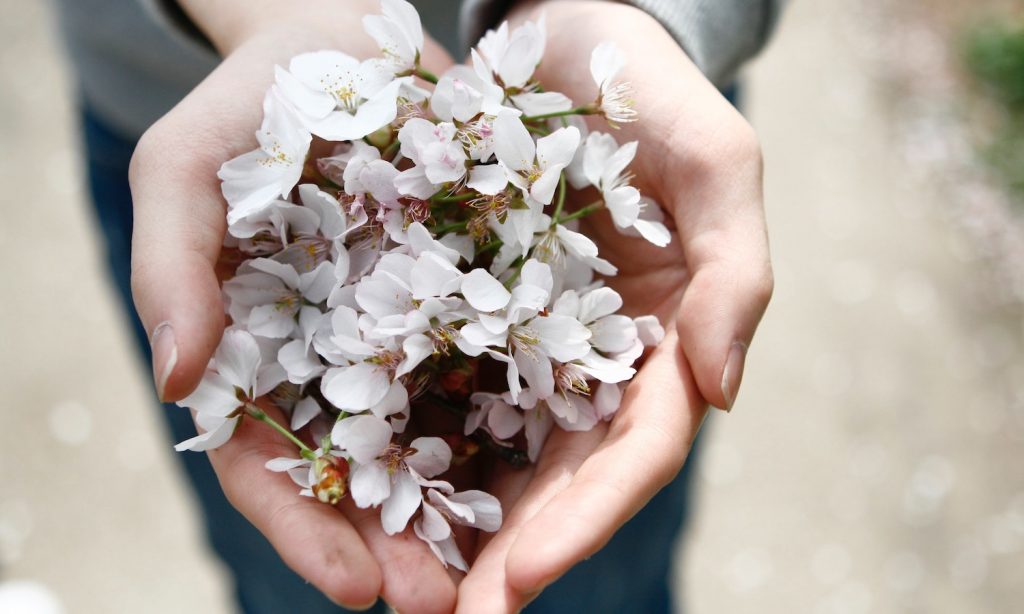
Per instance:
{"type": "Point", "coordinates": [874, 461]}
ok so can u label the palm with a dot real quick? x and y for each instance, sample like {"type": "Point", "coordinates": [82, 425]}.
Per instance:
{"type": "Point", "coordinates": [696, 164]}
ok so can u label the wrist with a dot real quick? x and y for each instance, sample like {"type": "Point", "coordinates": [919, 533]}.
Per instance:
{"type": "Point", "coordinates": [229, 24]}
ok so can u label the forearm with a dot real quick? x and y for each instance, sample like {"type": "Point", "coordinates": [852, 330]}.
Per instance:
{"type": "Point", "coordinates": [227, 23]}
{"type": "Point", "coordinates": [718, 35]}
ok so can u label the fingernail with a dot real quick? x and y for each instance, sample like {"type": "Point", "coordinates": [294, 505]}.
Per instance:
{"type": "Point", "coordinates": [165, 356]}
{"type": "Point", "coordinates": [733, 373]}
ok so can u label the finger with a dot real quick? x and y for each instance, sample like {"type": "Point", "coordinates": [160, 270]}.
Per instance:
{"type": "Point", "coordinates": [179, 221]}
{"type": "Point", "coordinates": [647, 442]}
{"type": "Point", "coordinates": [413, 579]}
{"type": "Point", "coordinates": [313, 539]}
{"type": "Point", "coordinates": [721, 225]}
{"type": "Point", "coordinates": [523, 494]}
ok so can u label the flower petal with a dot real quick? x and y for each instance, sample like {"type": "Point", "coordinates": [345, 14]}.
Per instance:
{"type": "Point", "coordinates": [483, 292]}
{"type": "Point", "coordinates": [401, 504]}
{"type": "Point", "coordinates": [370, 484]}
{"type": "Point", "coordinates": [432, 456]}
{"type": "Point", "coordinates": [363, 437]}
{"type": "Point", "coordinates": [357, 387]}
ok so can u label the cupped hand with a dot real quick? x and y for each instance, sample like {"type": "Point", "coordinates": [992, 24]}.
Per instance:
{"type": "Point", "coordinates": [179, 228]}
{"type": "Point", "coordinates": [701, 162]}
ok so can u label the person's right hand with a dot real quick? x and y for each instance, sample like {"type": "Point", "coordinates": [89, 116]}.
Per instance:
{"type": "Point", "coordinates": [179, 227]}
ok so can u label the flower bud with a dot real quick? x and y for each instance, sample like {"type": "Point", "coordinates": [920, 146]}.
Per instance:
{"type": "Point", "coordinates": [463, 448]}
{"type": "Point", "coordinates": [332, 479]}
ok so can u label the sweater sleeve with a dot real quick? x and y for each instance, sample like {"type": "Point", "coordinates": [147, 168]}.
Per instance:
{"type": "Point", "coordinates": [718, 35]}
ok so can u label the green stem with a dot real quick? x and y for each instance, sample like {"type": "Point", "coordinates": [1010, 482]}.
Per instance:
{"type": "Point", "coordinates": [458, 198]}
{"type": "Point", "coordinates": [450, 227]}
{"type": "Point", "coordinates": [538, 130]}
{"type": "Point", "coordinates": [587, 110]}
{"type": "Point", "coordinates": [584, 212]}
{"type": "Point", "coordinates": [259, 414]}
{"type": "Point", "coordinates": [425, 74]}
{"type": "Point", "coordinates": [390, 151]}
{"type": "Point", "coordinates": [561, 197]}
{"type": "Point", "coordinates": [515, 275]}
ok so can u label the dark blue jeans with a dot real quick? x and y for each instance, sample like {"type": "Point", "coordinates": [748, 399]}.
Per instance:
{"type": "Point", "coordinates": [631, 574]}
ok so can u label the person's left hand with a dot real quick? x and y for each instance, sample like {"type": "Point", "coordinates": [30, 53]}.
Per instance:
{"type": "Point", "coordinates": [701, 161]}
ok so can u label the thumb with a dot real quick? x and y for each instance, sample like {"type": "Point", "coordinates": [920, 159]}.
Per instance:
{"type": "Point", "coordinates": [722, 228]}
{"type": "Point", "coordinates": [178, 230]}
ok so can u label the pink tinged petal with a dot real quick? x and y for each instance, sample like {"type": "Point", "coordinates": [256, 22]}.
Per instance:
{"type": "Point", "coordinates": [649, 330]}
{"type": "Point", "coordinates": [558, 148]}
{"type": "Point", "coordinates": [607, 399]}
{"type": "Point", "coordinates": [503, 420]}
{"type": "Point", "coordinates": [401, 504]}
{"type": "Point", "coordinates": [537, 372]}
{"type": "Point", "coordinates": [370, 484]}
{"type": "Point", "coordinates": [460, 513]}
{"type": "Point", "coordinates": [613, 334]}
{"type": "Point", "coordinates": [432, 524]}
{"type": "Point", "coordinates": [562, 337]}
{"type": "Point", "coordinates": [355, 388]}
{"type": "Point", "coordinates": [598, 303]}
{"type": "Point", "coordinates": [513, 144]}
{"type": "Point", "coordinates": [446, 550]}
{"type": "Point", "coordinates": [238, 358]}
{"type": "Point", "coordinates": [606, 61]}
{"type": "Point", "coordinates": [538, 423]}
{"type": "Point", "coordinates": [432, 456]}
{"type": "Point", "coordinates": [213, 438]}
{"type": "Point", "coordinates": [573, 412]}
{"type": "Point", "coordinates": [654, 232]}
{"type": "Point", "coordinates": [487, 179]}
{"type": "Point", "coordinates": [417, 348]}
{"type": "Point", "coordinates": [483, 292]}
{"type": "Point", "coordinates": [215, 395]}
{"type": "Point", "coordinates": [486, 508]}
{"type": "Point", "coordinates": [395, 401]}
{"type": "Point", "coordinates": [474, 419]}
{"type": "Point", "coordinates": [378, 177]}
{"type": "Point", "coordinates": [305, 410]}
{"type": "Point", "coordinates": [363, 437]}
{"type": "Point", "coordinates": [413, 182]}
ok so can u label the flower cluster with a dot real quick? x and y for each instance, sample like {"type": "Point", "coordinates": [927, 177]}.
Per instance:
{"type": "Point", "coordinates": [408, 251]}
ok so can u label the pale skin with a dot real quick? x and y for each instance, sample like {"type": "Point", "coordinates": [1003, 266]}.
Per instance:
{"type": "Point", "coordinates": [697, 157]}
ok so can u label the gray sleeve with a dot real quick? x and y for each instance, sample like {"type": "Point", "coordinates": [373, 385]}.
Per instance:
{"type": "Point", "coordinates": [718, 35]}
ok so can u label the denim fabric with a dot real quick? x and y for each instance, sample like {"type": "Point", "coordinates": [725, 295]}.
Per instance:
{"type": "Point", "coordinates": [631, 574]}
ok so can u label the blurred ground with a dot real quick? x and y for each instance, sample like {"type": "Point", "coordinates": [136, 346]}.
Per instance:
{"type": "Point", "coordinates": [873, 463]}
